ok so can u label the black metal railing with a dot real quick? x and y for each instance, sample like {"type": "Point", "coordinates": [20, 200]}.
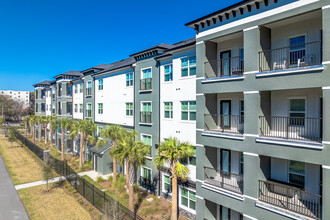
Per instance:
{"type": "Point", "coordinates": [88, 113]}
{"type": "Point", "coordinates": [59, 111]}
{"type": "Point", "coordinates": [302, 55]}
{"type": "Point", "coordinates": [290, 198]}
{"type": "Point", "coordinates": [146, 117]}
{"type": "Point", "coordinates": [296, 128]}
{"type": "Point", "coordinates": [88, 91]}
{"type": "Point", "coordinates": [98, 198]}
{"type": "Point", "coordinates": [145, 183]}
{"type": "Point", "coordinates": [232, 66]}
{"type": "Point", "coordinates": [146, 84]}
{"type": "Point", "coordinates": [224, 123]}
{"type": "Point", "coordinates": [226, 180]}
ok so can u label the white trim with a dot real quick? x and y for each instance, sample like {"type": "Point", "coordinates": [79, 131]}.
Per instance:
{"type": "Point", "coordinates": [223, 79]}
{"type": "Point", "coordinates": [251, 154]}
{"type": "Point", "coordinates": [326, 167]}
{"type": "Point", "coordinates": [325, 142]}
{"type": "Point", "coordinates": [198, 78]}
{"type": "Point", "coordinates": [199, 129]}
{"type": "Point", "coordinates": [223, 135]}
{"type": "Point", "coordinates": [286, 143]}
{"type": "Point", "coordinates": [250, 28]}
{"type": "Point", "coordinates": [249, 217]}
{"type": "Point", "coordinates": [326, 87]}
{"type": "Point", "coordinates": [199, 145]}
{"type": "Point", "coordinates": [200, 42]}
{"type": "Point", "coordinates": [201, 181]}
{"type": "Point", "coordinates": [326, 62]}
{"type": "Point", "coordinates": [289, 71]}
{"type": "Point", "coordinates": [251, 92]}
{"type": "Point", "coordinates": [259, 16]}
{"type": "Point", "coordinates": [325, 7]}
{"type": "Point", "coordinates": [223, 191]}
{"type": "Point", "coordinates": [199, 94]}
{"type": "Point", "coordinates": [279, 211]}
{"type": "Point", "coordinates": [250, 72]}
{"type": "Point", "coordinates": [251, 135]}
{"type": "Point", "coordinates": [199, 197]}
{"type": "Point", "coordinates": [249, 197]}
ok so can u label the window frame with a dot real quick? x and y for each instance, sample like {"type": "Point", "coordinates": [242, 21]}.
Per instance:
{"type": "Point", "coordinates": [98, 131]}
{"type": "Point", "coordinates": [142, 73]}
{"type": "Point", "coordinates": [188, 111]}
{"type": "Point", "coordinates": [241, 111]}
{"type": "Point", "coordinates": [88, 104]}
{"type": "Point", "coordinates": [163, 184]}
{"type": "Point", "coordinates": [297, 174]}
{"type": "Point", "coordinates": [76, 108]}
{"type": "Point", "coordinates": [170, 73]}
{"type": "Point", "coordinates": [100, 85]}
{"type": "Point", "coordinates": [188, 199]}
{"type": "Point", "coordinates": [81, 108]}
{"type": "Point", "coordinates": [304, 112]}
{"type": "Point", "coordinates": [150, 136]}
{"type": "Point", "coordinates": [170, 110]}
{"type": "Point", "coordinates": [188, 66]}
{"type": "Point", "coordinates": [129, 81]}
{"type": "Point", "coordinates": [130, 109]}
{"type": "Point", "coordinates": [99, 110]}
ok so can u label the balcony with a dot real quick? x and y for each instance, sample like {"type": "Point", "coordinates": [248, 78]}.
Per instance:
{"type": "Point", "coordinates": [145, 117]}
{"type": "Point", "coordinates": [53, 96]}
{"type": "Point", "coordinates": [225, 180]}
{"type": "Point", "coordinates": [294, 128]}
{"type": "Point", "coordinates": [292, 57]}
{"type": "Point", "coordinates": [290, 198]}
{"type": "Point", "coordinates": [224, 123]}
{"type": "Point", "coordinates": [88, 91]}
{"type": "Point", "coordinates": [145, 183]}
{"type": "Point", "coordinates": [88, 113]}
{"type": "Point", "coordinates": [228, 67]}
{"type": "Point", "coordinates": [146, 84]}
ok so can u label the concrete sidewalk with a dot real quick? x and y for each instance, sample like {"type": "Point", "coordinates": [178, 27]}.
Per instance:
{"type": "Point", "coordinates": [37, 183]}
{"type": "Point", "coordinates": [11, 206]}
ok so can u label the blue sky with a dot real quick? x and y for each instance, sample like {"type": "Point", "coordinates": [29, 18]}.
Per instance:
{"type": "Point", "coordinates": [42, 38]}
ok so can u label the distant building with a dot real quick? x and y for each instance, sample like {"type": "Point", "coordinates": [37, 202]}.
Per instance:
{"type": "Point", "coordinates": [20, 96]}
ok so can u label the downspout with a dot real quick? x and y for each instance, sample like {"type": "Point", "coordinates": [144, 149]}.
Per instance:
{"type": "Point", "coordinates": [156, 146]}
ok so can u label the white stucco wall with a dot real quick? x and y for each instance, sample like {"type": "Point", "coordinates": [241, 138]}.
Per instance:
{"type": "Point", "coordinates": [77, 98]}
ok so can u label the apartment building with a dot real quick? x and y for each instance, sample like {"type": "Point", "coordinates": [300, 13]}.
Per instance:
{"type": "Point", "coordinates": [20, 96]}
{"type": "Point", "coordinates": [262, 120]}
{"type": "Point", "coordinates": [251, 92]}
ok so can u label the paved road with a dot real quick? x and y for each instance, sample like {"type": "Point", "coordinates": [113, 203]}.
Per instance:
{"type": "Point", "coordinates": [11, 206]}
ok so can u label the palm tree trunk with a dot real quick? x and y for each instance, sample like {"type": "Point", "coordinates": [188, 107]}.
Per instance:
{"type": "Point", "coordinates": [84, 147]}
{"type": "Point", "coordinates": [131, 176]}
{"type": "Point", "coordinates": [33, 132]}
{"type": "Point", "coordinates": [46, 134]}
{"type": "Point", "coordinates": [25, 132]}
{"type": "Point", "coordinates": [39, 132]}
{"type": "Point", "coordinates": [80, 151]}
{"type": "Point", "coordinates": [174, 215]}
{"type": "Point", "coordinates": [51, 135]}
{"type": "Point", "coordinates": [114, 165]}
{"type": "Point", "coordinates": [126, 168]}
{"type": "Point", "coordinates": [62, 143]}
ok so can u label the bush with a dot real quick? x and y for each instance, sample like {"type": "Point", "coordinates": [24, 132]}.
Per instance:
{"type": "Point", "coordinates": [99, 179]}
{"type": "Point", "coordinates": [120, 183]}
{"type": "Point", "coordinates": [136, 187]}
{"type": "Point", "coordinates": [110, 178]}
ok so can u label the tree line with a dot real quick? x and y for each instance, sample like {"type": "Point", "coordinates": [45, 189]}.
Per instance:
{"type": "Point", "coordinates": [124, 149]}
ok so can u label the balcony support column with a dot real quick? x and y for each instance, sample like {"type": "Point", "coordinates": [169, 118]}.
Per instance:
{"type": "Point", "coordinates": [326, 35]}
{"type": "Point", "coordinates": [200, 58]}
{"type": "Point", "coordinates": [325, 192]}
{"type": "Point", "coordinates": [200, 208]}
{"type": "Point", "coordinates": [251, 175]}
{"type": "Point", "coordinates": [326, 115]}
{"type": "Point", "coordinates": [252, 110]}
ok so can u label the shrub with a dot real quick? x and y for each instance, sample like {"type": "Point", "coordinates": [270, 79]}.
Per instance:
{"type": "Point", "coordinates": [99, 179]}
{"type": "Point", "coordinates": [120, 183]}
{"type": "Point", "coordinates": [136, 187]}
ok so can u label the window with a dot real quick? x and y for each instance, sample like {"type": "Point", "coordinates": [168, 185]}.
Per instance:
{"type": "Point", "coordinates": [129, 109]}
{"type": "Point", "coordinates": [297, 49]}
{"type": "Point", "coordinates": [189, 160]}
{"type": "Point", "coordinates": [241, 112]}
{"type": "Point", "coordinates": [89, 110]}
{"type": "Point", "coordinates": [100, 84]}
{"type": "Point", "coordinates": [297, 173]}
{"type": "Point", "coordinates": [81, 108]}
{"type": "Point", "coordinates": [168, 109]}
{"type": "Point", "coordinates": [99, 131]}
{"type": "Point", "coordinates": [146, 139]}
{"type": "Point", "coordinates": [81, 87]}
{"type": "Point", "coordinates": [89, 88]}
{"type": "Point", "coordinates": [188, 110]}
{"type": "Point", "coordinates": [167, 184]}
{"type": "Point", "coordinates": [146, 112]}
{"type": "Point", "coordinates": [75, 89]}
{"type": "Point", "coordinates": [188, 199]}
{"type": "Point", "coordinates": [168, 73]}
{"type": "Point", "coordinates": [188, 66]}
{"type": "Point", "coordinates": [129, 79]}
{"type": "Point", "coordinates": [241, 163]}
{"type": "Point", "coordinates": [75, 146]}
{"type": "Point", "coordinates": [75, 107]}
{"type": "Point", "coordinates": [100, 108]}
{"type": "Point", "coordinates": [297, 112]}
{"type": "Point", "coordinates": [146, 73]}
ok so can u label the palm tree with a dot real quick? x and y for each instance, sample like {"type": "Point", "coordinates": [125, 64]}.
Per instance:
{"type": "Point", "coordinates": [52, 124]}
{"type": "Point", "coordinates": [134, 152]}
{"type": "Point", "coordinates": [171, 151]}
{"type": "Point", "coordinates": [39, 121]}
{"type": "Point", "coordinates": [64, 124]}
{"type": "Point", "coordinates": [45, 121]}
{"type": "Point", "coordinates": [26, 124]}
{"type": "Point", "coordinates": [85, 129]}
{"type": "Point", "coordinates": [113, 133]}
{"type": "Point", "coordinates": [32, 121]}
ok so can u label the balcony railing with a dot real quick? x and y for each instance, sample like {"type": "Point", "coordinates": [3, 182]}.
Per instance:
{"type": "Point", "coordinates": [297, 56]}
{"type": "Point", "coordinates": [290, 198]}
{"type": "Point", "coordinates": [53, 96]}
{"type": "Point", "coordinates": [145, 183]}
{"type": "Point", "coordinates": [146, 84]}
{"type": "Point", "coordinates": [145, 117]}
{"type": "Point", "coordinates": [295, 128]}
{"type": "Point", "coordinates": [226, 180]}
{"type": "Point", "coordinates": [88, 91]}
{"type": "Point", "coordinates": [232, 66]}
{"type": "Point", "coordinates": [224, 123]}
